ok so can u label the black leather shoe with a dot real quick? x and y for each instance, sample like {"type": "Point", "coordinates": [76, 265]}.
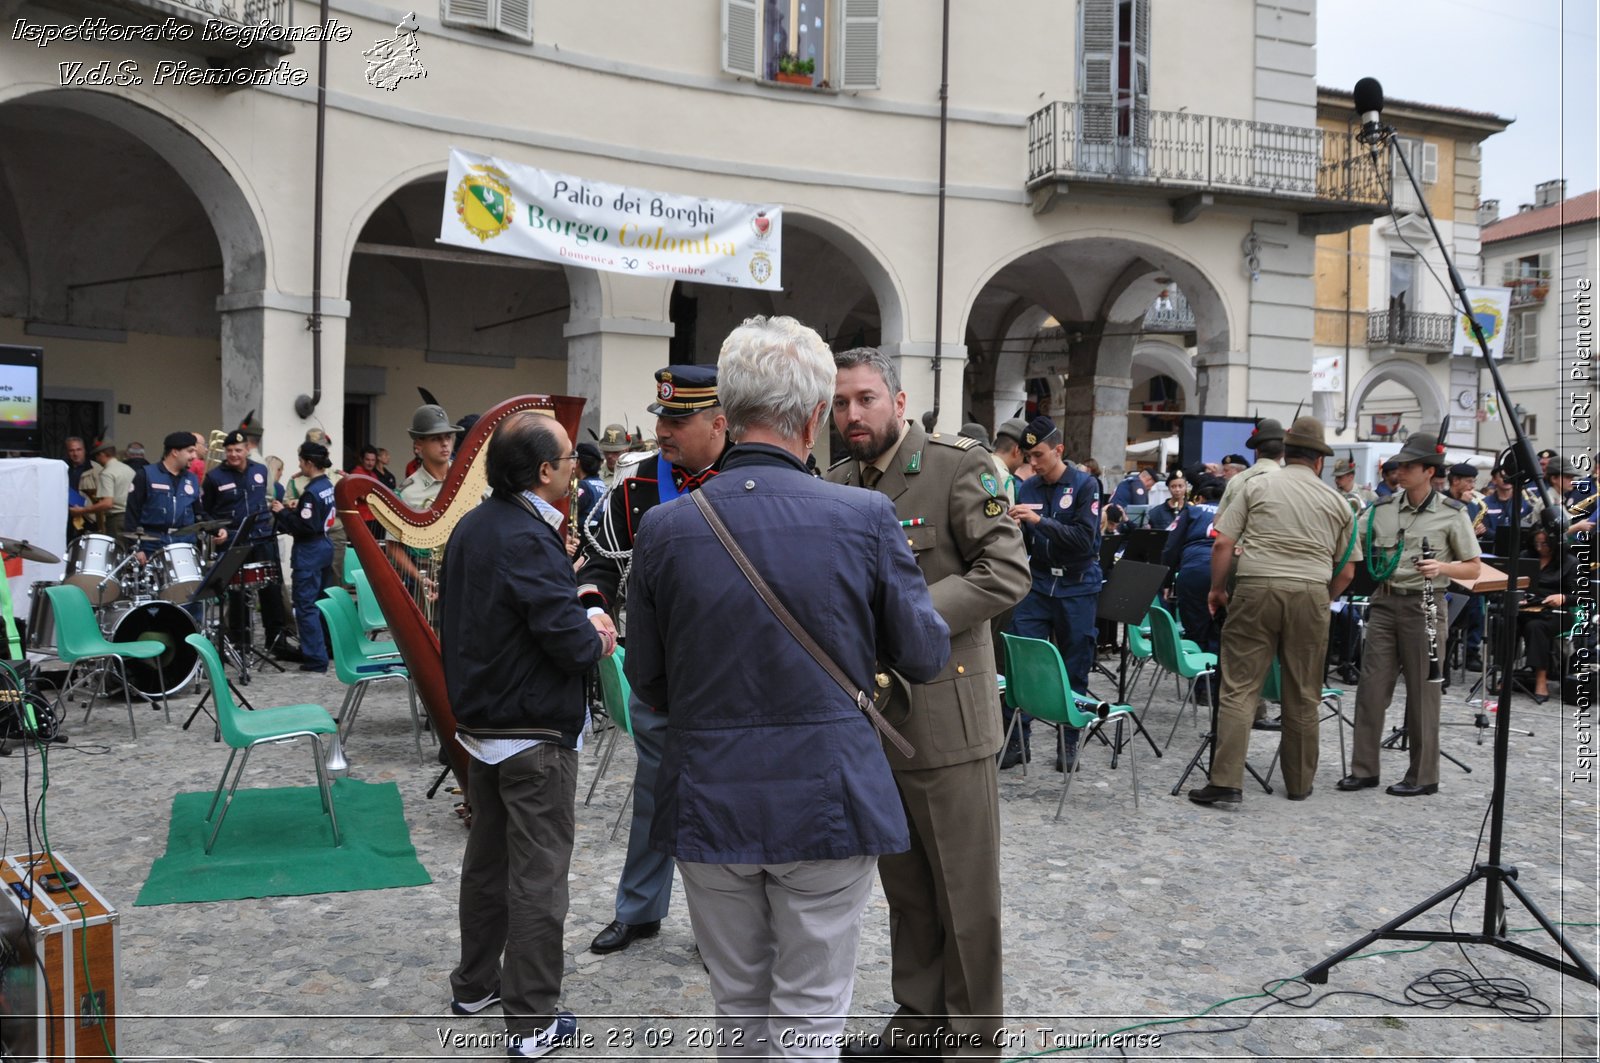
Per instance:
{"type": "Point", "coordinates": [619, 935]}
{"type": "Point", "coordinates": [1215, 795]}
{"type": "Point", "coordinates": [1302, 797]}
{"type": "Point", "coordinates": [1474, 663]}
{"type": "Point", "coordinates": [1357, 782]}
{"type": "Point", "coordinates": [1409, 789]}
{"type": "Point", "coordinates": [1268, 725]}
{"type": "Point", "coordinates": [1014, 755]}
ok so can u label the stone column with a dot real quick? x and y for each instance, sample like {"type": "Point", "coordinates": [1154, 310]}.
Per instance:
{"type": "Point", "coordinates": [914, 359]}
{"type": "Point", "coordinates": [1094, 422]}
{"type": "Point", "coordinates": [617, 337]}
{"type": "Point", "coordinates": [266, 365]}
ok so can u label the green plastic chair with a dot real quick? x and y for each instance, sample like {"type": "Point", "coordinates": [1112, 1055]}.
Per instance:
{"type": "Point", "coordinates": [615, 693]}
{"type": "Point", "coordinates": [1139, 649]}
{"type": "Point", "coordinates": [352, 567]}
{"type": "Point", "coordinates": [357, 668]}
{"type": "Point", "coordinates": [1176, 654]}
{"type": "Point", "coordinates": [78, 639]}
{"type": "Point", "coordinates": [246, 730]}
{"type": "Point", "coordinates": [367, 607]}
{"type": "Point", "coordinates": [383, 650]}
{"type": "Point", "coordinates": [1037, 678]}
{"type": "Point", "coordinates": [1332, 700]}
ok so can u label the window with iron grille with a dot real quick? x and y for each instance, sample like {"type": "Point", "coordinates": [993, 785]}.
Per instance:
{"type": "Point", "coordinates": [821, 43]}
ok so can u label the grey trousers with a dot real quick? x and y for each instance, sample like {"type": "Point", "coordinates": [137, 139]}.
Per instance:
{"type": "Point", "coordinates": [645, 888]}
{"type": "Point", "coordinates": [1267, 618]}
{"type": "Point", "coordinates": [780, 943]}
{"type": "Point", "coordinates": [1397, 644]}
{"type": "Point", "coordinates": [514, 883]}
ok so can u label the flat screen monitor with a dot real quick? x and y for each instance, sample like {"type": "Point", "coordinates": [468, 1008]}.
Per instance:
{"type": "Point", "coordinates": [1210, 439]}
{"type": "Point", "coordinates": [21, 381]}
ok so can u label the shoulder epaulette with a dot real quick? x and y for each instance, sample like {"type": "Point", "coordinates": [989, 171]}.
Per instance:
{"type": "Point", "coordinates": [840, 462]}
{"type": "Point", "coordinates": [1386, 499]}
{"type": "Point", "coordinates": [959, 442]}
{"type": "Point", "coordinates": [1453, 503]}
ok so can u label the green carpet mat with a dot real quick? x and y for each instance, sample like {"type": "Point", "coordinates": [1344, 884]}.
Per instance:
{"type": "Point", "coordinates": [278, 843]}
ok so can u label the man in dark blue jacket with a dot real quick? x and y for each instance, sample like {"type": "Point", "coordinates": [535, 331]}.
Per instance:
{"type": "Point", "coordinates": [1059, 511]}
{"type": "Point", "coordinates": [516, 645]}
{"type": "Point", "coordinates": [307, 522]}
{"type": "Point", "coordinates": [232, 492]}
{"type": "Point", "coordinates": [774, 794]}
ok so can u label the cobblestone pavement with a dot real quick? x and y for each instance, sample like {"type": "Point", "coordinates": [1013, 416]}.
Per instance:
{"type": "Point", "coordinates": [1113, 916]}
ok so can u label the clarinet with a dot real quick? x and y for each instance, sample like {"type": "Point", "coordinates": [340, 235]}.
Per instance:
{"type": "Point", "coordinates": [1435, 673]}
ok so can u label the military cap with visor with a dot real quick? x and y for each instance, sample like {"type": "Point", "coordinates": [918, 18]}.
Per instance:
{"type": "Point", "coordinates": [684, 390]}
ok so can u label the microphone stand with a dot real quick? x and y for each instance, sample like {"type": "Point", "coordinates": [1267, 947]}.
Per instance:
{"type": "Point", "coordinates": [1496, 875]}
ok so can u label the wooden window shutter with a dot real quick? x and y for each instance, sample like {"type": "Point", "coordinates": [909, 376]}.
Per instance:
{"type": "Point", "coordinates": [741, 37]}
{"type": "Point", "coordinates": [1141, 71]}
{"type": "Point", "coordinates": [860, 44]}
{"type": "Point", "coordinates": [1097, 46]}
{"type": "Point", "coordinates": [466, 13]}
{"type": "Point", "coordinates": [1428, 172]}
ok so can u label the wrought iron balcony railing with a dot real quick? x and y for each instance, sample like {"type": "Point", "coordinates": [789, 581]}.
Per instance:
{"type": "Point", "coordinates": [1198, 152]}
{"type": "Point", "coordinates": [1529, 286]}
{"type": "Point", "coordinates": [1405, 328]}
{"type": "Point", "coordinates": [1170, 313]}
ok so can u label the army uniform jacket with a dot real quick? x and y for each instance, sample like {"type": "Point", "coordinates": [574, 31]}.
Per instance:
{"type": "Point", "coordinates": [971, 554]}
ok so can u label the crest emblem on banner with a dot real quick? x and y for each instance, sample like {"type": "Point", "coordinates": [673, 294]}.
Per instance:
{"type": "Point", "coordinates": [484, 204]}
{"type": "Point", "coordinates": [761, 224]}
{"type": "Point", "coordinates": [760, 267]}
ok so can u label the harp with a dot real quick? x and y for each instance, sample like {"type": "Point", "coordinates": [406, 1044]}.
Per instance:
{"type": "Point", "coordinates": [403, 570]}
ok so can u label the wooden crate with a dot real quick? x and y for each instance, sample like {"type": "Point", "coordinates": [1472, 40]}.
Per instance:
{"type": "Point", "coordinates": [54, 1014]}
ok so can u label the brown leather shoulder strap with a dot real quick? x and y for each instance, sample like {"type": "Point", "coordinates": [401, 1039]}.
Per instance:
{"type": "Point", "coordinates": [862, 700]}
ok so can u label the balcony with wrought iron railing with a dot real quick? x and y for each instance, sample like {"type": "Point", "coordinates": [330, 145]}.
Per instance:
{"type": "Point", "coordinates": [1529, 285]}
{"type": "Point", "coordinates": [1170, 313]}
{"type": "Point", "coordinates": [1410, 330]}
{"type": "Point", "coordinates": [1195, 153]}
{"type": "Point", "coordinates": [226, 34]}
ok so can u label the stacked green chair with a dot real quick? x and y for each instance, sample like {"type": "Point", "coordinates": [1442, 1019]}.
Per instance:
{"type": "Point", "coordinates": [246, 730]}
{"type": "Point", "coordinates": [359, 663]}
{"type": "Point", "coordinates": [367, 608]}
{"type": "Point", "coordinates": [1037, 679]}
{"type": "Point", "coordinates": [78, 639]}
{"type": "Point", "coordinates": [1332, 700]}
{"type": "Point", "coordinates": [1179, 656]}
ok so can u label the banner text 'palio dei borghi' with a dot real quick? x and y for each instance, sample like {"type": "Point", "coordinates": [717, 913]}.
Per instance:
{"type": "Point", "coordinates": [520, 210]}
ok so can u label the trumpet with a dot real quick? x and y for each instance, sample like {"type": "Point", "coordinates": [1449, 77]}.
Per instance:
{"type": "Point", "coordinates": [1431, 619]}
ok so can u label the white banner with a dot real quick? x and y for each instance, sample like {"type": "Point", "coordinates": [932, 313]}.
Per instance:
{"type": "Point", "coordinates": [519, 210]}
{"type": "Point", "coordinates": [1327, 374]}
{"type": "Point", "coordinates": [1492, 308]}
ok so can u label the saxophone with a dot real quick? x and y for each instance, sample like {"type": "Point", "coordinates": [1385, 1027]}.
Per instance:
{"type": "Point", "coordinates": [1431, 619]}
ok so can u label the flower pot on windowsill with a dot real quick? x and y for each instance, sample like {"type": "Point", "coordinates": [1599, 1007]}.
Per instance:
{"type": "Point", "coordinates": [793, 79]}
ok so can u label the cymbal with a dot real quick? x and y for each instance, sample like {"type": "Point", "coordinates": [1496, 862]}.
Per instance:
{"type": "Point", "coordinates": [27, 551]}
{"type": "Point", "coordinates": [200, 526]}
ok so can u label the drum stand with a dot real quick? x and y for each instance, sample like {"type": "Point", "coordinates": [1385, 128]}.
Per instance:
{"type": "Point", "coordinates": [252, 608]}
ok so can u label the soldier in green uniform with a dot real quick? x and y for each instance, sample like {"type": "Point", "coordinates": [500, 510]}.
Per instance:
{"type": "Point", "coordinates": [944, 894]}
{"type": "Point", "coordinates": [1292, 534]}
{"type": "Point", "coordinates": [1398, 642]}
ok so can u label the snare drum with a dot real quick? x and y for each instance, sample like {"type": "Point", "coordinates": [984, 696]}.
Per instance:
{"type": "Point", "coordinates": [257, 574]}
{"type": "Point", "coordinates": [177, 568]}
{"type": "Point", "coordinates": [90, 563]}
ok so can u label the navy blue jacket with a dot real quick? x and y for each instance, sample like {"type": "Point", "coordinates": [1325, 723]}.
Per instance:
{"type": "Point", "coordinates": [1064, 547]}
{"type": "Point", "coordinates": [767, 760]}
{"type": "Point", "coordinates": [1131, 492]}
{"type": "Point", "coordinates": [232, 496]}
{"type": "Point", "coordinates": [515, 641]}
{"type": "Point", "coordinates": [309, 519]}
{"type": "Point", "coordinates": [161, 501]}
{"type": "Point", "coordinates": [1190, 541]}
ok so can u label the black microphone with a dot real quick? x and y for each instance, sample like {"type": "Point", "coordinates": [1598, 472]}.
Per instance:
{"type": "Point", "coordinates": [1369, 104]}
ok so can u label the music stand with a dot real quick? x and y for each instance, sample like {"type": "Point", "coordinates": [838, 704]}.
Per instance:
{"type": "Point", "coordinates": [1125, 599]}
{"type": "Point", "coordinates": [210, 592]}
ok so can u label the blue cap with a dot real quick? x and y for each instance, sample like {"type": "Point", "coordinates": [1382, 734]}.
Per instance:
{"type": "Point", "coordinates": [1039, 429]}
{"type": "Point", "coordinates": [682, 390]}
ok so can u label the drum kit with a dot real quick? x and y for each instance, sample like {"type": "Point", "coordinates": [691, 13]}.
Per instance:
{"type": "Point", "coordinates": [146, 599]}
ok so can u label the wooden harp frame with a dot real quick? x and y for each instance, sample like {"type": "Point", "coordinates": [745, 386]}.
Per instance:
{"type": "Point", "coordinates": [360, 498]}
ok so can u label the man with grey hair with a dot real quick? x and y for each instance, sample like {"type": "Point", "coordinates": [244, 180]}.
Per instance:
{"type": "Point", "coordinates": [944, 895]}
{"type": "Point", "coordinates": [773, 794]}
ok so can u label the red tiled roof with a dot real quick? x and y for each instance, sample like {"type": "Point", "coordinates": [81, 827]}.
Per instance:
{"type": "Point", "coordinates": [1581, 208]}
{"type": "Point", "coordinates": [1418, 105]}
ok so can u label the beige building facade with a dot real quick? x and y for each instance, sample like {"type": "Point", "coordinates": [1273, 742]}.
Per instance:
{"type": "Point", "coordinates": [156, 236]}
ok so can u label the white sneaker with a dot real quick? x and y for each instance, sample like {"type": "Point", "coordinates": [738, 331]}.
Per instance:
{"type": "Point", "coordinates": [559, 1034]}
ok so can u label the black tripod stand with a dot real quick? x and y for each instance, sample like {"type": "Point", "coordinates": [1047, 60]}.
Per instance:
{"type": "Point", "coordinates": [1497, 876]}
{"type": "Point", "coordinates": [1124, 600]}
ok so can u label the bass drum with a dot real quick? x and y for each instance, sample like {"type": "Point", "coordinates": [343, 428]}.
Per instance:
{"type": "Point", "coordinates": [160, 622]}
